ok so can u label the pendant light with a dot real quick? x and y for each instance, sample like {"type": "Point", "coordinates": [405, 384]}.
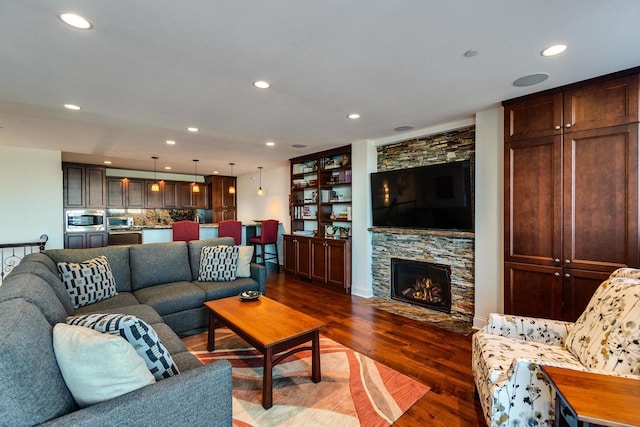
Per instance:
{"type": "Point", "coordinates": [260, 192]}
{"type": "Point", "coordinates": [195, 188]}
{"type": "Point", "coordinates": [232, 189]}
{"type": "Point", "coordinates": [155, 186]}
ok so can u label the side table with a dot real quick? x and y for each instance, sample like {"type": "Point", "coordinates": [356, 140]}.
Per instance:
{"type": "Point", "coordinates": [587, 400]}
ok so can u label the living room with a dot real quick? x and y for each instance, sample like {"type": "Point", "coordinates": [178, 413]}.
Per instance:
{"type": "Point", "coordinates": [31, 158]}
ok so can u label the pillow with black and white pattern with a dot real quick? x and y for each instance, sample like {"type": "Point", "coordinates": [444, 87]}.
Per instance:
{"type": "Point", "coordinates": [138, 333]}
{"type": "Point", "coordinates": [218, 263]}
{"type": "Point", "coordinates": [88, 281]}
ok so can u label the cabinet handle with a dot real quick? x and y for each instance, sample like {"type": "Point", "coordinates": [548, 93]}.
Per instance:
{"type": "Point", "coordinates": [567, 275]}
{"type": "Point", "coordinates": [557, 127]}
{"type": "Point", "coordinates": [557, 260]}
{"type": "Point", "coordinates": [567, 261]}
{"type": "Point", "coordinates": [556, 274]}
{"type": "Point", "coordinates": [568, 125]}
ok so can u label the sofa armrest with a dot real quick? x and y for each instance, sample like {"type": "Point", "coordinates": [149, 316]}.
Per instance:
{"type": "Point", "coordinates": [544, 331]}
{"type": "Point", "coordinates": [198, 397]}
{"type": "Point", "coordinates": [259, 274]}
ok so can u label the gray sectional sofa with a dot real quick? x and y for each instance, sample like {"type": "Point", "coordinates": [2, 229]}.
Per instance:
{"type": "Point", "coordinates": [156, 283]}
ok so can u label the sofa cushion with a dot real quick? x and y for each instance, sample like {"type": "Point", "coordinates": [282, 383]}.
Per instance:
{"type": "Point", "coordinates": [607, 334]}
{"type": "Point", "coordinates": [51, 277]}
{"type": "Point", "coordinates": [158, 263]}
{"type": "Point", "coordinates": [195, 250]}
{"type": "Point", "coordinates": [217, 290]}
{"type": "Point", "coordinates": [88, 281]}
{"type": "Point", "coordinates": [110, 305]}
{"type": "Point", "coordinates": [245, 254]}
{"type": "Point", "coordinates": [26, 347]}
{"type": "Point", "coordinates": [138, 333]}
{"type": "Point", "coordinates": [218, 264]}
{"type": "Point", "coordinates": [141, 311]}
{"type": "Point", "coordinates": [40, 258]}
{"type": "Point", "coordinates": [36, 291]}
{"type": "Point", "coordinates": [171, 297]}
{"type": "Point", "coordinates": [96, 366]}
{"type": "Point", "coordinates": [118, 257]}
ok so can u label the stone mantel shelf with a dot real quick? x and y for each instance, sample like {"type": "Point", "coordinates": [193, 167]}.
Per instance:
{"type": "Point", "coordinates": [413, 231]}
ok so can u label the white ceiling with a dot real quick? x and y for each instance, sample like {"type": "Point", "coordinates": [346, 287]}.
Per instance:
{"type": "Point", "coordinates": [148, 69]}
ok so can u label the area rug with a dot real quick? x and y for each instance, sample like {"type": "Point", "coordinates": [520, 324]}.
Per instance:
{"type": "Point", "coordinates": [355, 390]}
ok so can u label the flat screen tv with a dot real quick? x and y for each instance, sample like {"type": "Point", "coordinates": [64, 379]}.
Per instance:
{"type": "Point", "coordinates": [430, 197]}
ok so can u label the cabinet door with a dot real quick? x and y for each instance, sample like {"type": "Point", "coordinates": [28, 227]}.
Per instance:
{"type": "Point", "coordinates": [220, 195]}
{"type": "Point", "coordinates": [601, 199]}
{"type": "Point", "coordinates": [73, 185]}
{"type": "Point", "coordinates": [319, 260]}
{"type": "Point", "coordinates": [115, 193]}
{"type": "Point", "coordinates": [339, 263]}
{"type": "Point", "coordinates": [532, 290]}
{"type": "Point", "coordinates": [170, 193]}
{"type": "Point", "coordinates": [95, 192]}
{"type": "Point", "coordinates": [533, 201]}
{"type": "Point", "coordinates": [184, 195]}
{"type": "Point", "coordinates": [135, 193]}
{"type": "Point", "coordinates": [290, 249]}
{"type": "Point", "coordinates": [153, 199]}
{"type": "Point", "coordinates": [201, 200]}
{"type": "Point", "coordinates": [95, 240]}
{"type": "Point", "coordinates": [609, 103]}
{"type": "Point", "coordinates": [577, 290]}
{"type": "Point", "coordinates": [303, 264]}
{"type": "Point", "coordinates": [74, 241]}
{"type": "Point", "coordinates": [533, 117]}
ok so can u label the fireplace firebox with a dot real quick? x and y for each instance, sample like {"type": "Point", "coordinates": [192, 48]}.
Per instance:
{"type": "Point", "coordinates": [421, 283]}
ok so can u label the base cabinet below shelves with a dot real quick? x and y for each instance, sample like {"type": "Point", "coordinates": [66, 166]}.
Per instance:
{"type": "Point", "coordinates": [85, 240]}
{"type": "Point", "coordinates": [326, 261]}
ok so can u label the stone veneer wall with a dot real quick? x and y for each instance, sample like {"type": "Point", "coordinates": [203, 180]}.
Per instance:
{"type": "Point", "coordinates": [439, 246]}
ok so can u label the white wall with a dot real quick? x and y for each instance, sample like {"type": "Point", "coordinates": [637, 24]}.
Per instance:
{"type": "Point", "coordinates": [273, 204]}
{"type": "Point", "coordinates": [31, 196]}
{"type": "Point", "coordinates": [489, 180]}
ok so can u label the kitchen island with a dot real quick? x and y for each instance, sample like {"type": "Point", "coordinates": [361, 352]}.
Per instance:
{"type": "Point", "coordinates": [164, 233]}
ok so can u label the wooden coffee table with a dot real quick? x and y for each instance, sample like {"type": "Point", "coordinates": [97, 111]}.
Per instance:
{"type": "Point", "coordinates": [271, 328]}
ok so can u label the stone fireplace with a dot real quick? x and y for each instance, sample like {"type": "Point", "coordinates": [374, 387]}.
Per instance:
{"type": "Point", "coordinates": [450, 248]}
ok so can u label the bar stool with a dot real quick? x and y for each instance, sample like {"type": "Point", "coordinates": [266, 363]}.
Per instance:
{"type": "Point", "coordinates": [184, 231]}
{"type": "Point", "coordinates": [231, 228]}
{"type": "Point", "coordinates": [268, 236]}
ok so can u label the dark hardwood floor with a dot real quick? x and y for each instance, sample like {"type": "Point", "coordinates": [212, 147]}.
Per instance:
{"type": "Point", "coordinates": [434, 356]}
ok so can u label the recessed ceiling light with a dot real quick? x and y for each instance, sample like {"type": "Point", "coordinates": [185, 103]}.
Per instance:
{"type": "Point", "coordinates": [171, 142]}
{"type": "Point", "coordinates": [354, 116]}
{"type": "Point", "coordinates": [216, 172]}
{"type": "Point", "coordinates": [261, 84]}
{"type": "Point", "coordinates": [75, 20]}
{"type": "Point", "coordinates": [107, 162]}
{"type": "Point", "coordinates": [553, 50]}
{"type": "Point", "coordinates": [270, 143]}
{"type": "Point", "coordinates": [192, 129]}
{"type": "Point", "coordinates": [403, 128]}
{"type": "Point", "coordinates": [167, 168]}
{"type": "Point", "coordinates": [470, 53]}
{"type": "Point", "coordinates": [72, 107]}
{"type": "Point", "coordinates": [531, 79]}
{"type": "Point", "coordinates": [298, 146]}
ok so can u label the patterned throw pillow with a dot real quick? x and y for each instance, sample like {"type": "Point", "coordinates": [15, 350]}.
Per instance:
{"type": "Point", "coordinates": [88, 281]}
{"type": "Point", "coordinates": [607, 334]}
{"type": "Point", "coordinates": [218, 264]}
{"type": "Point", "coordinates": [138, 333]}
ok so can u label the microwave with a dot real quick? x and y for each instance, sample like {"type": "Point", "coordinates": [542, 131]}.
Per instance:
{"type": "Point", "coordinates": [82, 220]}
{"type": "Point", "coordinates": [119, 222]}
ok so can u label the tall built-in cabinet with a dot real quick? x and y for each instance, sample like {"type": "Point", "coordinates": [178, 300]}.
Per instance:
{"type": "Point", "coordinates": [319, 246]}
{"type": "Point", "coordinates": [84, 186]}
{"type": "Point", "coordinates": [223, 203]}
{"type": "Point", "coordinates": [571, 193]}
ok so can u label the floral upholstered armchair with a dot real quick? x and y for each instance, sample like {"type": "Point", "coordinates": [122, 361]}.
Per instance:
{"type": "Point", "coordinates": [508, 352]}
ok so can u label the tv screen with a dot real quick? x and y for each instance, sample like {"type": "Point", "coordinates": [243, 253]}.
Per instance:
{"type": "Point", "coordinates": [436, 196]}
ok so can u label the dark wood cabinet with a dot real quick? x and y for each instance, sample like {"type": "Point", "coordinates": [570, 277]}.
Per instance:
{"type": "Point", "coordinates": [571, 194]}
{"type": "Point", "coordinates": [84, 186]}
{"type": "Point", "coordinates": [85, 240]}
{"type": "Point", "coordinates": [125, 193]}
{"type": "Point", "coordinates": [153, 199]}
{"type": "Point", "coordinates": [297, 255]}
{"type": "Point", "coordinates": [223, 203]}
{"type": "Point", "coordinates": [171, 194]}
